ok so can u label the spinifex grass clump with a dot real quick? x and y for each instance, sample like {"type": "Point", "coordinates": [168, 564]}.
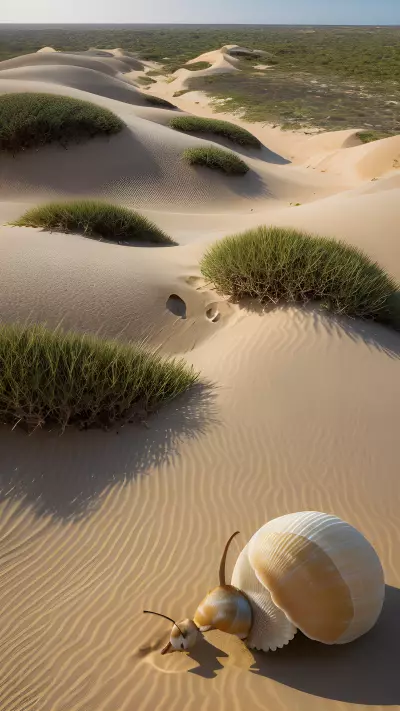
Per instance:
{"type": "Point", "coordinates": [32, 120]}
{"type": "Point", "coordinates": [65, 378]}
{"type": "Point", "coordinates": [217, 159]}
{"type": "Point", "coordinates": [94, 219]}
{"type": "Point", "coordinates": [274, 264]}
{"type": "Point", "coordinates": [196, 124]}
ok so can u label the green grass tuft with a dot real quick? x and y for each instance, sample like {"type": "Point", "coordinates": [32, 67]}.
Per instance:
{"type": "Point", "coordinates": [157, 101]}
{"type": "Point", "coordinates": [370, 136]}
{"type": "Point", "coordinates": [196, 124]}
{"type": "Point", "coordinates": [217, 159]}
{"type": "Point", "coordinates": [94, 219]}
{"type": "Point", "coordinates": [33, 120]}
{"type": "Point", "coordinates": [65, 378]}
{"type": "Point", "coordinates": [197, 66]}
{"type": "Point", "coordinates": [273, 264]}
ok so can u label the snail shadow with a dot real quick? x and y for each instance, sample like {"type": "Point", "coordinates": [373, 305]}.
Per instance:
{"type": "Point", "coordinates": [207, 657]}
{"type": "Point", "coordinates": [363, 672]}
{"type": "Point", "coordinates": [65, 475]}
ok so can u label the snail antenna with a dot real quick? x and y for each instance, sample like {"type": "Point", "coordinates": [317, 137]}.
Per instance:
{"type": "Point", "coordinates": [150, 612]}
{"type": "Point", "coordinates": [223, 559]}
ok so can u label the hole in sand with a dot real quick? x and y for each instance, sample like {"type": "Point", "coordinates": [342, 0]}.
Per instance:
{"type": "Point", "coordinates": [213, 314]}
{"type": "Point", "coordinates": [176, 305]}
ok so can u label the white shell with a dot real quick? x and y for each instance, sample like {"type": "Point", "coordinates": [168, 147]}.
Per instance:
{"type": "Point", "coordinates": [310, 571]}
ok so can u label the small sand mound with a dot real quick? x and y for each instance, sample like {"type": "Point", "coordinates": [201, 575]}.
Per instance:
{"type": "Point", "coordinates": [46, 50]}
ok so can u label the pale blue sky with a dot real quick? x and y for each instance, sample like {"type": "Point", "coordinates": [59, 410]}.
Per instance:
{"type": "Point", "coordinates": [373, 12]}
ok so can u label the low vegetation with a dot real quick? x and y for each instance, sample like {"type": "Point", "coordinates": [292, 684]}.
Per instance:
{"type": "Point", "coordinates": [157, 101]}
{"type": "Point", "coordinates": [273, 264]}
{"type": "Point", "coordinates": [94, 219]}
{"type": "Point", "coordinates": [217, 159]}
{"type": "Point", "coordinates": [31, 120]}
{"type": "Point", "coordinates": [197, 66]}
{"type": "Point", "coordinates": [145, 80]}
{"type": "Point", "coordinates": [196, 124]}
{"type": "Point", "coordinates": [180, 93]}
{"type": "Point", "coordinates": [324, 77]}
{"type": "Point", "coordinates": [370, 136]}
{"type": "Point", "coordinates": [51, 377]}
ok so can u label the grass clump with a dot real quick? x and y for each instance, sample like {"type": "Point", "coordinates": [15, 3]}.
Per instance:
{"type": "Point", "coordinates": [66, 378]}
{"type": "Point", "coordinates": [217, 159]}
{"type": "Point", "coordinates": [273, 264]}
{"type": "Point", "coordinates": [196, 124]}
{"type": "Point", "coordinates": [93, 219]}
{"type": "Point", "coordinates": [31, 120]}
{"type": "Point", "coordinates": [157, 101]}
{"type": "Point", "coordinates": [370, 136]}
{"type": "Point", "coordinates": [198, 66]}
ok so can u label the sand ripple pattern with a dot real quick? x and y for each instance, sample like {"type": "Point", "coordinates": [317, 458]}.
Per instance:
{"type": "Point", "coordinates": [73, 582]}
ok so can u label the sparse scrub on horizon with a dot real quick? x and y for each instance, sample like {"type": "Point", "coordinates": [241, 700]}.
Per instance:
{"type": "Point", "coordinates": [273, 264]}
{"type": "Point", "coordinates": [31, 120]}
{"type": "Point", "coordinates": [94, 219]}
{"type": "Point", "coordinates": [216, 159]}
{"type": "Point", "coordinates": [56, 377]}
{"type": "Point", "coordinates": [197, 124]}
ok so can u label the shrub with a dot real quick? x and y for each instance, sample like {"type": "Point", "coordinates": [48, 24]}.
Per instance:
{"type": "Point", "coordinates": [217, 159]}
{"type": "Point", "coordinates": [157, 101]}
{"type": "Point", "coordinates": [32, 120]}
{"type": "Point", "coordinates": [273, 264]}
{"type": "Point", "coordinates": [196, 124]}
{"type": "Point", "coordinates": [93, 218]}
{"type": "Point", "coordinates": [56, 377]}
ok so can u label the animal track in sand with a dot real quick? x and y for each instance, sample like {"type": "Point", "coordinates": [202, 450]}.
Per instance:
{"type": "Point", "coordinates": [213, 314]}
{"type": "Point", "coordinates": [176, 305]}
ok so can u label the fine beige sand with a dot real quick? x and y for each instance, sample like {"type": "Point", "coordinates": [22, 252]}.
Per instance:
{"type": "Point", "coordinates": [296, 411]}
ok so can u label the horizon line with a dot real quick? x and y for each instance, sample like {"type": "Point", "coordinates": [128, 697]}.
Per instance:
{"type": "Point", "coordinates": [206, 24]}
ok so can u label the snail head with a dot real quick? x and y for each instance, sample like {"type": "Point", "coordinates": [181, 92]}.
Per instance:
{"type": "Point", "coordinates": [183, 634]}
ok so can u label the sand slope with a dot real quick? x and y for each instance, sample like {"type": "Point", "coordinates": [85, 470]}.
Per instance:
{"type": "Point", "coordinates": [296, 411]}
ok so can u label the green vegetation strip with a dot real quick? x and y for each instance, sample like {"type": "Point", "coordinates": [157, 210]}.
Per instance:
{"type": "Point", "coordinates": [273, 264]}
{"type": "Point", "coordinates": [197, 66]}
{"type": "Point", "coordinates": [217, 159]}
{"type": "Point", "coordinates": [64, 378]}
{"type": "Point", "coordinates": [32, 120]}
{"type": "Point", "coordinates": [94, 219]}
{"type": "Point", "coordinates": [196, 124]}
{"type": "Point", "coordinates": [370, 136]}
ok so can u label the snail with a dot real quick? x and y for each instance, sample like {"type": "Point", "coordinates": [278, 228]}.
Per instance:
{"type": "Point", "coordinates": [305, 571]}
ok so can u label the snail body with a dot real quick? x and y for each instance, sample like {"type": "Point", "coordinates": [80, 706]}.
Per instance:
{"type": "Point", "coordinates": [309, 571]}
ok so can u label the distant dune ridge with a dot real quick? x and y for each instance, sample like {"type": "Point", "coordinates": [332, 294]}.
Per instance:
{"type": "Point", "coordinates": [295, 410]}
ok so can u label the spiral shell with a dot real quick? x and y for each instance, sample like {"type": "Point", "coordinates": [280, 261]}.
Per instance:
{"type": "Point", "coordinates": [309, 571]}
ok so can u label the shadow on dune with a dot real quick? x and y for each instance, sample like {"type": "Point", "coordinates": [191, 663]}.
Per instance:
{"type": "Point", "coordinates": [264, 154]}
{"type": "Point", "coordinates": [363, 672]}
{"type": "Point", "coordinates": [65, 475]}
{"type": "Point", "coordinates": [373, 334]}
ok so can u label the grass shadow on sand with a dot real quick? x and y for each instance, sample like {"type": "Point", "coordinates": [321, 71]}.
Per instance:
{"type": "Point", "coordinates": [373, 334]}
{"type": "Point", "coordinates": [363, 672]}
{"type": "Point", "coordinates": [66, 475]}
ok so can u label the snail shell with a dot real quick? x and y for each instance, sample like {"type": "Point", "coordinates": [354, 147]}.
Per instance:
{"type": "Point", "coordinates": [309, 571]}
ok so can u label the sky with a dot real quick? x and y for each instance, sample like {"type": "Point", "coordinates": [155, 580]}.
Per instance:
{"type": "Point", "coordinates": [331, 12]}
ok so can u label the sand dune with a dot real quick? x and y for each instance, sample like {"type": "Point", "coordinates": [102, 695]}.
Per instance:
{"type": "Point", "coordinates": [297, 411]}
{"type": "Point", "coordinates": [107, 65]}
{"type": "Point", "coordinates": [92, 81]}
